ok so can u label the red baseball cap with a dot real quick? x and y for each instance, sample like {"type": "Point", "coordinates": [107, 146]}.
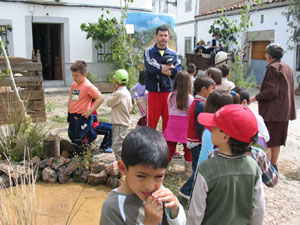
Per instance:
{"type": "Point", "coordinates": [237, 121]}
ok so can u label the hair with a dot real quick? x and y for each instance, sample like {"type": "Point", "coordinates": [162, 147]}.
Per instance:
{"type": "Point", "coordinates": [219, 98]}
{"type": "Point", "coordinates": [216, 74]}
{"type": "Point", "coordinates": [224, 69]}
{"type": "Point", "coordinates": [243, 93]}
{"type": "Point", "coordinates": [239, 147]}
{"type": "Point", "coordinates": [142, 77]}
{"type": "Point", "coordinates": [191, 68]}
{"type": "Point", "coordinates": [162, 28]}
{"type": "Point", "coordinates": [202, 42]}
{"type": "Point", "coordinates": [145, 146]}
{"type": "Point", "coordinates": [275, 51]}
{"type": "Point", "coordinates": [79, 66]}
{"type": "Point", "coordinates": [182, 88]}
{"type": "Point", "coordinates": [201, 82]}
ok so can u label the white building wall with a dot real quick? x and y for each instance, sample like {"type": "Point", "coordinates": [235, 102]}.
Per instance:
{"type": "Point", "coordinates": [185, 24]}
{"type": "Point", "coordinates": [273, 20]}
{"type": "Point", "coordinates": [75, 45]}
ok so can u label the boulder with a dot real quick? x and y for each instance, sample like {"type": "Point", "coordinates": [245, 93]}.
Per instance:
{"type": "Point", "coordinates": [57, 162]}
{"type": "Point", "coordinates": [96, 165]}
{"type": "Point", "coordinates": [80, 175]}
{"type": "Point", "coordinates": [49, 175]}
{"type": "Point", "coordinates": [51, 146]}
{"type": "Point", "coordinates": [97, 178]}
{"type": "Point", "coordinates": [43, 164]}
{"type": "Point", "coordinates": [72, 166]}
{"type": "Point", "coordinates": [112, 169]}
{"type": "Point", "coordinates": [113, 182]}
{"type": "Point", "coordinates": [62, 176]}
{"type": "Point", "coordinates": [4, 181]}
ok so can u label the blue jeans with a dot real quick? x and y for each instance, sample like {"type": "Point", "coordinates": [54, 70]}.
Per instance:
{"type": "Point", "coordinates": [105, 129]}
{"type": "Point", "coordinates": [188, 185]}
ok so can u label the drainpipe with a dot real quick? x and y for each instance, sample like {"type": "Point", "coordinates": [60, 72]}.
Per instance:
{"type": "Point", "coordinates": [196, 23]}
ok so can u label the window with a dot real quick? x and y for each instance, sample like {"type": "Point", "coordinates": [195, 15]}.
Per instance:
{"type": "Point", "coordinates": [298, 58]}
{"type": "Point", "coordinates": [166, 7]}
{"type": "Point", "coordinates": [103, 51]}
{"type": "Point", "coordinates": [188, 45]}
{"type": "Point", "coordinates": [262, 18]}
{"type": "Point", "coordinates": [188, 5]}
{"type": "Point", "coordinates": [3, 33]}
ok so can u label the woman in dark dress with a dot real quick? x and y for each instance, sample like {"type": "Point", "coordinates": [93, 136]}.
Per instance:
{"type": "Point", "coordinates": [276, 102]}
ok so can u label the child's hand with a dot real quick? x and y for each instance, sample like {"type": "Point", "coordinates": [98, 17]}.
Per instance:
{"type": "Point", "coordinates": [153, 211]}
{"type": "Point", "coordinates": [166, 196]}
{"type": "Point", "coordinates": [86, 114]}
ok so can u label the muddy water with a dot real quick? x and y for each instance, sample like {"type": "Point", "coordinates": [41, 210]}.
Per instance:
{"type": "Point", "coordinates": [56, 201]}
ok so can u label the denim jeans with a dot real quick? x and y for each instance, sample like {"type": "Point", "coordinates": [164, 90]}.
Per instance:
{"type": "Point", "coordinates": [105, 129]}
{"type": "Point", "coordinates": [187, 187]}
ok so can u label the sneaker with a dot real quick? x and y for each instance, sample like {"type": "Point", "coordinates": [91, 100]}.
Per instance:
{"type": "Point", "coordinates": [186, 197]}
{"type": "Point", "coordinates": [107, 150]}
{"type": "Point", "coordinates": [177, 155]}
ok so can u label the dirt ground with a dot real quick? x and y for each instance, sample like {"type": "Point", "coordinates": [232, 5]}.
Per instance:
{"type": "Point", "coordinates": [282, 201]}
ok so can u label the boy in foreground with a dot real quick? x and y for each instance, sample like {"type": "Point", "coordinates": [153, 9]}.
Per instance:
{"type": "Point", "coordinates": [141, 198]}
{"type": "Point", "coordinates": [228, 187]}
{"type": "Point", "coordinates": [81, 131]}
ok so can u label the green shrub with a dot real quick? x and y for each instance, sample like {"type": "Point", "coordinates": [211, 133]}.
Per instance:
{"type": "Point", "coordinates": [14, 138]}
{"type": "Point", "coordinates": [237, 76]}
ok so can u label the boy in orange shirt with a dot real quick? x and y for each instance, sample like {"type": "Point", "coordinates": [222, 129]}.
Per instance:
{"type": "Point", "coordinates": [81, 131]}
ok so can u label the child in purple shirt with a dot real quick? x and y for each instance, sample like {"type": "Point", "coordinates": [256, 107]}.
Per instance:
{"type": "Point", "coordinates": [139, 93]}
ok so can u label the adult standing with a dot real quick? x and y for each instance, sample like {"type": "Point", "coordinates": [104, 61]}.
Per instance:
{"type": "Point", "coordinates": [161, 67]}
{"type": "Point", "coordinates": [276, 102]}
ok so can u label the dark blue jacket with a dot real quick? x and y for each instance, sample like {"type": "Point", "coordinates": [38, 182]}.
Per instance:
{"type": "Point", "coordinates": [154, 77]}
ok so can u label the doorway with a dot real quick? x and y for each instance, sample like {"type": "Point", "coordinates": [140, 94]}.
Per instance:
{"type": "Point", "coordinates": [258, 61]}
{"type": "Point", "coordinates": [47, 40]}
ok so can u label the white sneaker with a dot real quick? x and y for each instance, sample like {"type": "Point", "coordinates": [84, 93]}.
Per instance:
{"type": "Point", "coordinates": [184, 196]}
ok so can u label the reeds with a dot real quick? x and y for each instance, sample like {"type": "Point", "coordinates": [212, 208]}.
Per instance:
{"type": "Point", "coordinates": [18, 201]}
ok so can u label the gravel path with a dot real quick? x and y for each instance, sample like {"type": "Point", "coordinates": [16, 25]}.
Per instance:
{"type": "Point", "coordinates": [282, 201]}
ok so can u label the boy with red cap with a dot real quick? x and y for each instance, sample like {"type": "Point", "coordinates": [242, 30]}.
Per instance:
{"type": "Point", "coordinates": [228, 187]}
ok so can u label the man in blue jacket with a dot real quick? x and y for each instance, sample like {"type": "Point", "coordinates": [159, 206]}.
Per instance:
{"type": "Point", "coordinates": [161, 67]}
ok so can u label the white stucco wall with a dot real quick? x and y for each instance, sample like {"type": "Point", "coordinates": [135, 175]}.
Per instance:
{"type": "Point", "coordinates": [185, 24]}
{"type": "Point", "coordinates": [273, 20]}
{"type": "Point", "coordinates": [74, 43]}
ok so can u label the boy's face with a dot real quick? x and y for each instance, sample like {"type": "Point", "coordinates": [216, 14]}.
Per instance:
{"type": "Point", "coordinates": [143, 180]}
{"type": "Point", "coordinates": [218, 137]}
{"type": "Point", "coordinates": [206, 91]}
{"type": "Point", "coordinates": [78, 77]}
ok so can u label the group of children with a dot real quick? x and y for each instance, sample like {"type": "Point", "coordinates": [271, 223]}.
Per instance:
{"type": "Point", "coordinates": [211, 120]}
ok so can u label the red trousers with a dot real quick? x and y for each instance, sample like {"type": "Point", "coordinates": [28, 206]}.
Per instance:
{"type": "Point", "coordinates": [172, 149]}
{"type": "Point", "coordinates": [157, 106]}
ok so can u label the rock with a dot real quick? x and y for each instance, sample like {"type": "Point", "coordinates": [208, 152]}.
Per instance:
{"type": "Point", "coordinates": [39, 175]}
{"type": "Point", "coordinates": [62, 176]}
{"type": "Point", "coordinates": [51, 146]}
{"type": "Point", "coordinates": [112, 169]}
{"type": "Point", "coordinates": [96, 165]}
{"type": "Point", "coordinates": [97, 178]}
{"type": "Point", "coordinates": [57, 162]}
{"type": "Point", "coordinates": [49, 175]}
{"type": "Point", "coordinates": [43, 164]}
{"type": "Point", "coordinates": [80, 175]}
{"type": "Point", "coordinates": [72, 166]}
{"type": "Point", "coordinates": [4, 181]}
{"type": "Point", "coordinates": [66, 145]}
{"type": "Point", "coordinates": [112, 182]}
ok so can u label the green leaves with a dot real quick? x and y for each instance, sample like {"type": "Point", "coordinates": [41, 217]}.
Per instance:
{"type": "Point", "coordinates": [293, 18]}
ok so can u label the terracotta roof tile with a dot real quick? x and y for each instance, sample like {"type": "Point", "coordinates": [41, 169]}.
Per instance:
{"type": "Point", "coordinates": [234, 6]}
